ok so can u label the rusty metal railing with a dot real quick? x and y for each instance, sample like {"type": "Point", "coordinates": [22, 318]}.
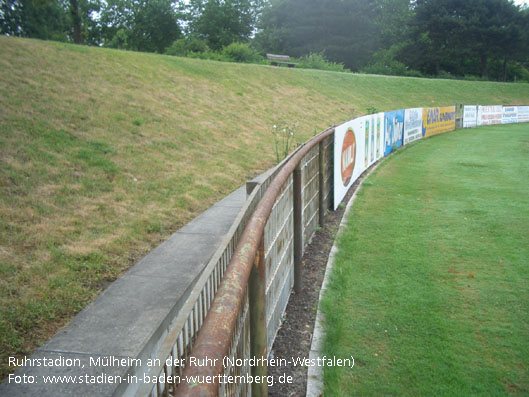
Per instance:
{"type": "Point", "coordinates": [222, 325]}
{"type": "Point", "coordinates": [175, 347]}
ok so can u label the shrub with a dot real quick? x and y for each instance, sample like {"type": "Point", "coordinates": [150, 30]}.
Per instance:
{"type": "Point", "coordinates": [445, 75]}
{"type": "Point", "coordinates": [519, 73]}
{"type": "Point", "coordinates": [178, 48]}
{"type": "Point", "coordinates": [471, 77]}
{"type": "Point", "coordinates": [386, 62]}
{"type": "Point", "coordinates": [184, 47]}
{"type": "Point", "coordinates": [318, 61]}
{"type": "Point", "coordinates": [386, 67]}
{"type": "Point", "coordinates": [211, 55]}
{"type": "Point", "coordinates": [120, 40]}
{"type": "Point", "coordinates": [240, 52]}
{"type": "Point", "coordinates": [390, 67]}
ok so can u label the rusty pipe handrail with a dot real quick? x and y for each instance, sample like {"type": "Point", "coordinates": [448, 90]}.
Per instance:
{"type": "Point", "coordinates": [214, 338]}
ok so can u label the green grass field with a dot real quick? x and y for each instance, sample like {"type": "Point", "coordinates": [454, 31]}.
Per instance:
{"type": "Point", "coordinates": [430, 290]}
{"type": "Point", "coordinates": [104, 153]}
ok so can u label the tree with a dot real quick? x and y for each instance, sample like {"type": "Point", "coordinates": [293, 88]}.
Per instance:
{"type": "Point", "coordinates": [451, 33]}
{"type": "Point", "coordinates": [11, 17]}
{"type": "Point", "coordinates": [222, 22]}
{"type": "Point", "coordinates": [76, 22]}
{"type": "Point", "coordinates": [393, 18]}
{"type": "Point", "coordinates": [50, 19]}
{"type": "Point", "coordinates": [90, 26]}
{"type": "Point", "coordinates": [345, 30]}
{"type": "Point", "coordinates": [139, 25]}
{"type": "Point", "coordinates": [155, 26]}
{"type": "Point", "coordinates": [41, 19]}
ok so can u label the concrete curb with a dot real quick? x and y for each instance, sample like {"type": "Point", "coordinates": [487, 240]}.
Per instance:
{"type": "Point", "coordinates": [315, 373]}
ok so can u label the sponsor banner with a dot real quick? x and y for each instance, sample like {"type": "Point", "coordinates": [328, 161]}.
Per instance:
{"type": "Point", "coordinates": [394, 130]}
{"type": "Point", "coordinates": [350, 154]}
{"type": "Point", "coordinates": [412, 125]}
{"type": "Point", "coordinates": [368, 135]}
{"type": "Point", "coordinates": [523, 114]}
{"type": "Point", "coordinates": [379, 136]}
{"type": "Point", "coordinates": [373, 133]}
{"type": "Point", "coordinates": [488, 115]}
{"type": "Point", "coordinates": [509, 115]}
{"type": "Point", "coordinates": [438, 120]}
{"type": "Point", "coordinates": [470, 116]}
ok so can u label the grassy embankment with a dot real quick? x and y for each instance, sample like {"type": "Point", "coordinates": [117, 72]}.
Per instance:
{"type": "Point", "coordinates": [104, 153]}
{"type": "Point", "coordinates": [430, 290]}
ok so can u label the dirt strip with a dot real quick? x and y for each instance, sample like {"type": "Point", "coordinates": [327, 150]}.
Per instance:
{"type": "Point", "coordinates": [294, 338]}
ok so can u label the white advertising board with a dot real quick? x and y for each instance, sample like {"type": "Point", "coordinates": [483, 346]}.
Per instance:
{"type": "Point", "coordinates": [412, 125]}
{"type": "Point", "coordinates": [470, 116]}
{"type": "Point", "coordinates": [379, 138]}
{"type": "Point", "coordinates": [488, 115]}
{"type": "Point", "coordinates": [510, 115]}
{"type": "Point", "coordinates": [350, 155]}
{"type": "Point", "coordinates": [523, 114]}
{"type": "Point", "coordinates": [373, 126]}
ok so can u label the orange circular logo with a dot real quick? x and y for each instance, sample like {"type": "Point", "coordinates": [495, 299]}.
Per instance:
{"type": "Point", "coordinates": [348, 156]}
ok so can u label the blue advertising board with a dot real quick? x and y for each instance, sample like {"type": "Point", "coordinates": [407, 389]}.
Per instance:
{"type": "Point", "coordinates": [394, 130]}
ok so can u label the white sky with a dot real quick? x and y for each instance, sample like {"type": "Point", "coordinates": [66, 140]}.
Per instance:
{"type": "Point", "coordinates": [520, 2]}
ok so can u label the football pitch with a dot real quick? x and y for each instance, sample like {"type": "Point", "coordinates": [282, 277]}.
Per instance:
{"type": "Point", "coordinates": [430, 287]}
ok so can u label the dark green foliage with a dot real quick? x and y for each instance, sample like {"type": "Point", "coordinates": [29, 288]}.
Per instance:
{"type": "Point", "coordinates": [155, 26]}
{"type": "Point", "coordinates": [221, 23]}
{"type": "Point", "coordinates": [41, 19]}
{"type": "Point", "coordinates": [58, 20]}
{"type": "Point", "coordinates": [185, 46]}
{"type": "Point", "coordinates": [410, 38]}
{"type": "Point", "coordinates": [463, 37]}
{"type": "Point", "coordinates": [385, 62]}
{"type": "Point", "coordinates": [239, 52]}
{"type": "Point", "coordinates": [481, 38]}
{"type": "Point", "coordinates": [145, 25]}
{"type": "Point", "coordinates": [319, 61]}
{"type": "Point", "coordinates": [196, 48]}
{"type": "Point", "coordinates": [345, 30]}
{"type": "Point", "coordinates": [120, 40]}
{"type": "Point", "coordinates": [90, 27]}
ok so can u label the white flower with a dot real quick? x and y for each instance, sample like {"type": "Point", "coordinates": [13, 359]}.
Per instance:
{"type": "Point", "coordinates": [275, 126]}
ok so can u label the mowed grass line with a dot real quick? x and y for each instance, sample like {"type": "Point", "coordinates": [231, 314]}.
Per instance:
{"type": "Point", "coordinates": [430, 289]}
{"type": "Point", "coordinates": [104, 153]}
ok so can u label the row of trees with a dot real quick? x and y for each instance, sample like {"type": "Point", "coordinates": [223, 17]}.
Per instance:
{"type": "Point", "coordinates": [466, 37]}
{"type": "Point", "coordinates": [486, 38]}
{"type": "Point", "coordinates": [141, 25]}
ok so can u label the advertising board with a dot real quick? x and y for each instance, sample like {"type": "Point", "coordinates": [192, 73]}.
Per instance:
{"type": "Point", "coordinates": [509, 115]}
{"type": "Point", "coordinates": [350, 154]}
{"type": "Point", "coordinates": [393, 130]}
{"type": "Point", "coordinates": [412, 125]}
{"type": "Point", "coordinates": [470, 116]}
{"type": "Point", "coordinates": [489, 115]}
{"type": "Point", "coordinates": [523, 114]}
{"type": "Point", "coordinates": [438, 120]}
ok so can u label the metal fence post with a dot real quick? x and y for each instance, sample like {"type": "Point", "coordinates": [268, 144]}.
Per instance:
{"type": "Point", "coordinates": [321, 214]}
{"type": "Point", "coordinates": [298, 229]}
{"type": "Point", "coordinates": [257, 291]}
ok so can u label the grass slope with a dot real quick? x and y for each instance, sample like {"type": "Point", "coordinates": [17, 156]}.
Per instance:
{"type": "Point", "coordinates": [104, 153]}
{"type": "Point", "coordinates": [430, 287]}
